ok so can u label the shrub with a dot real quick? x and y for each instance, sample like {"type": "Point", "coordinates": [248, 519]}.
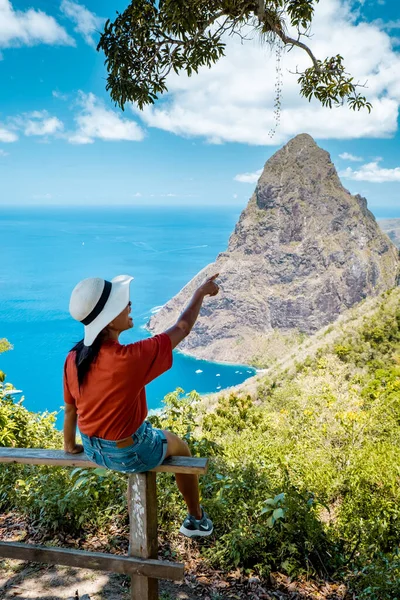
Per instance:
{"type": "Point", "coordinates": [303, 478]}
{"type": "Point", "coordinates": [379, 579]}
{"type": "Point", "coordinates": [55, 497]}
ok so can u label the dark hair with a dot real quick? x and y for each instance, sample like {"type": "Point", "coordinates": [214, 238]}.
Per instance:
{"type": "Point", "coordinates": [85, 356]}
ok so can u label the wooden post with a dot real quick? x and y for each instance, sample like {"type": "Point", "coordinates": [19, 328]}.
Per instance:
{"type": "Point", "coordinates": [142, 506]}
{"type": "Point", "coordinates": [143, 542]}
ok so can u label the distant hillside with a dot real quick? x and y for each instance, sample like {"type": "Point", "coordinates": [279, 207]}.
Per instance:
{"type": "Point", "coordinates": [392, 228]}
{"type": "Point", "coordinates": [296, 350]}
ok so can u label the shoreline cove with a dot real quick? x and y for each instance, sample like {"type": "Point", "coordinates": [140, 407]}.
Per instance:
{"type": "Point", "coordinates": [34, 310]}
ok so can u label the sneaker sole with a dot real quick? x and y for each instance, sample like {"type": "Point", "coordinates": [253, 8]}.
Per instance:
{"type": "Point", "coordinates": [195, 532]}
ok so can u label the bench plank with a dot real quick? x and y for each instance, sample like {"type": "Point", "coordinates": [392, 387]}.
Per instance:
{"type": "Point", "coordinates": [39, 456]}
{"type": "Point", "coordinates": [160, 569]}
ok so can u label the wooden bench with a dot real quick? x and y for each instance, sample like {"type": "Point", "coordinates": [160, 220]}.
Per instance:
{"type": "Point", "coordinates": [141, 563]}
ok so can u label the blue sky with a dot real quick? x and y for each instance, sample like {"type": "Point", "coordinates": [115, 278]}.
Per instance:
{"type": "Point", "coordinates": [62, 141]}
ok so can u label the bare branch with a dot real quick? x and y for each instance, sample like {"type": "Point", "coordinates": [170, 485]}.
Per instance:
{"type": "Point", "coordinates": [292, 42]}
{"type": "Point", "coordinates": [261, 10]}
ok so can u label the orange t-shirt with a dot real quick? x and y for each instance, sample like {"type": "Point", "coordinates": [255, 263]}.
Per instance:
{"type": "Point", "coordinates": [111, 403]}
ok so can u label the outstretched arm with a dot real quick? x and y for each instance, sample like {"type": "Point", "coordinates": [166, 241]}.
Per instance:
{"type": "Point", "coordinates": [188, 318]}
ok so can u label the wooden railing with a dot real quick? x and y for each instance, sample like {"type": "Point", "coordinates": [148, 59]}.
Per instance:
{"type": "Point", "coordinates": [141, 563]}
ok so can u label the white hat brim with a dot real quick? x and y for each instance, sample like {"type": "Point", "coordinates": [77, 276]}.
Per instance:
{"type": "Point", "coordinates": [116, 302]}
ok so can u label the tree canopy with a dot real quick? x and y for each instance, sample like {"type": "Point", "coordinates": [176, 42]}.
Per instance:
{"type": "Point", "coordinates": [151, 38]}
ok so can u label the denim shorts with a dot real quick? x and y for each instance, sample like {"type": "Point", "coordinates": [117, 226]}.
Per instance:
{"type": "Point", "coordinates": [147, 451]}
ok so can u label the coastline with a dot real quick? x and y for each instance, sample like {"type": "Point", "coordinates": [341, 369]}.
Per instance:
{"type": "Point", "coordinates": [215, 362]}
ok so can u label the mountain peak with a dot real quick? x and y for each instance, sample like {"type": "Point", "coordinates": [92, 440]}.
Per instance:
{"type": "Point", "coordinates": [302, 138]}
{"type": "Point", "coordinates": [303, 251]}
{"type": "Point", "coordinates": [301, 163]}
{"type": "Point", "coordinates": [301, 145]}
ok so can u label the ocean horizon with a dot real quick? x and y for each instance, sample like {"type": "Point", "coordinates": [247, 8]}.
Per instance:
{"type": "Point", "coordinates": [48, 250]}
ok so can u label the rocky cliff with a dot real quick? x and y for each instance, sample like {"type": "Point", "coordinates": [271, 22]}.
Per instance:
{"type": "Point", "coordinates": [303, 251]}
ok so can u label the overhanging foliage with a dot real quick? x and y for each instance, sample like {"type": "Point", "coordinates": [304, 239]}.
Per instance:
{"type": "Point", "coordinates": [152, 38]}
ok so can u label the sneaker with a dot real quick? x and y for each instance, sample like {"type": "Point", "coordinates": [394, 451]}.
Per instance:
{"type": "Point", "coordinates": [192, 527]}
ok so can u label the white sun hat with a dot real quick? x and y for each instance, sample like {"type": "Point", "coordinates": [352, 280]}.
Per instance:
{"type": "Point", "coordinates": [95, 302]}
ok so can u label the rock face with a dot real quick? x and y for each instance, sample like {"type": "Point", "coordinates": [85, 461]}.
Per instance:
{"type": "Point", "coordinates": [304, 250]}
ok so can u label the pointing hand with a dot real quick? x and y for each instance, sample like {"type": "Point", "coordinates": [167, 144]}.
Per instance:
{"type": "Point", "coordinates": [209, 287]}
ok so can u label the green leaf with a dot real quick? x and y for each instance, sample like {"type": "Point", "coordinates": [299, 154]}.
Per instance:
{"type": "Point", "coordinates": [75, 471]}
{"type": "Point", "coordinates": [270, 502]}
{"type": "Point", "coordinates": [278, 514]}
{"type": "Point", "coordinates": [79, 482]}
{"type": "Point", "coordinates": [270, 521]}
{"type": "Point", "coordinates": [279, 498]}
{"type": "Point", "coordinates": [101, 472]}
{"type": "Point", "coordinates": [266, 509]}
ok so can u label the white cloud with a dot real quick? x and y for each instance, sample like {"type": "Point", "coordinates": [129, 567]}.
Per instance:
{"type": "Point", "coordinates": [59, 95]}
{"type": "Point", "coordinates": [43, 127]}
{"type": "Point", "coordinates": [389, 25]}
{"type": "Point", "coordinates": [234, 101]}
{"type": "Point", "coordinates": [248, 177]}
{"type": "Point", "coordinates": [96, 121]}
{"type": "Point", "coordinates": [3, 152]}
{"type": "Point", "coordinates": [7, 136]}
{"type": "Point", "coordinates": [87, 23]}
{"type": "Point", "coordinates": [352, 157]}
{"type": "Point", "coordinates": [38, 123]}
{"type": "Point", "coordinates": [30, 27]}
{"type": "Point", "coordinates": [372, 172]}
{"type": "Point", "coordinates": [137, 195]}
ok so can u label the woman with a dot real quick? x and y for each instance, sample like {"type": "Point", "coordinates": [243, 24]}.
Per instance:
{"type": "Point", "coordinates": [104, 387]}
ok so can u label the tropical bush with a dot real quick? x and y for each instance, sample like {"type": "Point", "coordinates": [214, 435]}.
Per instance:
{"type": "Point", "coordinates": [54, 497]}
{"type": "Point", "coordinates": [304, 475]}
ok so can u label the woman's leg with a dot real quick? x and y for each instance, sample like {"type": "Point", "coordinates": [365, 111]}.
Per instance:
{"type": "Point", "coordinates": [188, 485]}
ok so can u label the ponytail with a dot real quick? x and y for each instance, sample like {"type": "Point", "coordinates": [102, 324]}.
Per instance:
{"type": "Point", "coordinates": [85, 356]}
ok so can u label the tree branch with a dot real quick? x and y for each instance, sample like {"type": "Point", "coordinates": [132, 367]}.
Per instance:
{"type": "Point", "coordinates": [292, 42]}
{"type": "Point", "coordinates": [261, 10]}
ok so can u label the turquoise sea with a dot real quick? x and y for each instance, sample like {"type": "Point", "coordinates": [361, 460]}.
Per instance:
{"type": "Point", "coordinates": [46, 251]}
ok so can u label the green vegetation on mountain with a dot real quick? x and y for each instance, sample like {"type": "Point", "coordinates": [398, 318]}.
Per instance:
{"type": "Point", "coordinates": [305, 473]}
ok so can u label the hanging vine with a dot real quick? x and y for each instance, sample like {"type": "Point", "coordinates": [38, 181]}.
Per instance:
{"type": "Point", "coordinates": [278, 87]}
